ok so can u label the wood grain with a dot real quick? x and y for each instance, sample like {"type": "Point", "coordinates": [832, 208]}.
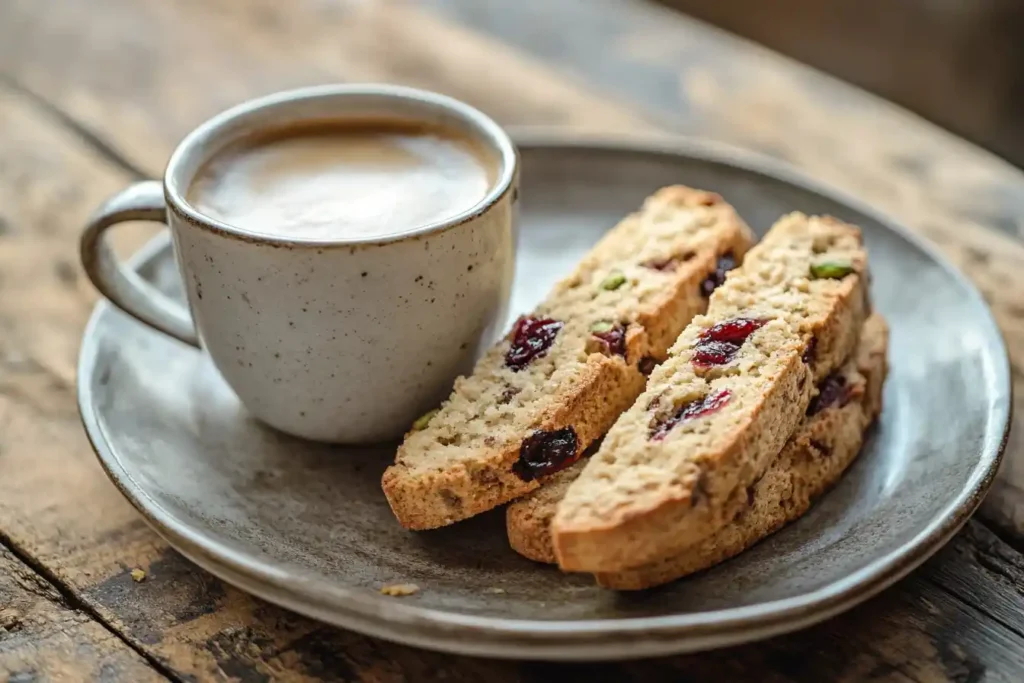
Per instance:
{"type": "Point", "coordinates": [97, 94]}
{"type": "Point", "coordinates": [42, 638]}
{"type": "Point", "coordinates": [142, 94]}
{"type": "Point", "coordinates": [960, 65]}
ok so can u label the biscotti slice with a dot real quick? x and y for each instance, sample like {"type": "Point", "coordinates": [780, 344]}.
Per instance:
{"type": "Point", "coordinates": [846, 404]}
{"type": "Point", "coordinates": [734, 389]}
{"type": "Point", "coordinates": [528, 520]}
{"type": "Point", "coordinates": [563, 374]}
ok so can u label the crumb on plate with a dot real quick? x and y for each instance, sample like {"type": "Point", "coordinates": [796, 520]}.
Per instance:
{"type": "Point", "coordinates": [400, 589]}
{"type": "Point", "coordinates": [138, 575]}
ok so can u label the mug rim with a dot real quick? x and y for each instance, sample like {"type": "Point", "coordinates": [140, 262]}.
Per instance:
{"type": "Point", "coordinates": [208, 131]}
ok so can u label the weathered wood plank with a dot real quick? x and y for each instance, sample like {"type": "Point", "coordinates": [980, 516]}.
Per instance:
{"type": "Point", "coordinates": [91, 539]}
{"type": "Point", "coordinates": [43, 639]}
{"type": "Point", "coordinates": [141, 90]}
{"type": "Point", "coordinates": [915, 632]}
{"type": "Point", "coordinates": [911, 52]}
{"type": "Point", "coordinates": [986, 574]}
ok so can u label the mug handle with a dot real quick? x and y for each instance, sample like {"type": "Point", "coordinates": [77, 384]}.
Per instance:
{"type": "Point", "coordinates": [143, 201]}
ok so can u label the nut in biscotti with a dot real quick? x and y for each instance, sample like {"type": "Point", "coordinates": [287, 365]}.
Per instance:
{"type": "Point", "coordinates": [565, 372]}
{"type": "Point", "coordinates": [736, 385]}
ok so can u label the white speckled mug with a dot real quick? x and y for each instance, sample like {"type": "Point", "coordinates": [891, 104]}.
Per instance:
{"type": "Point", "coordinates": [341, 340]}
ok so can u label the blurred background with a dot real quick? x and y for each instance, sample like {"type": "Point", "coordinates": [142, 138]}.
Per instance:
{"type": "Point", "coordinates": [959, 63]}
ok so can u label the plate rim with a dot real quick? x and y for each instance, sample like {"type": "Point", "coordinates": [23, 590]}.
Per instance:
{"type": "Point", "coordinates": [630, 637]}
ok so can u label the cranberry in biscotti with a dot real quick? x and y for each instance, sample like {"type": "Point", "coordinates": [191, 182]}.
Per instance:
{"type": "Point", "coordinates": [609, 338]}
{"type": "Point", "coordinates": [711, 403]}
{"type": "Point", "coordinates": [726, 262]}
{"type": "Point", "coordinates": [812, 347]}
{"type": "Point", "coordinates": [714, 353]}
{"type": "Point", "coordinates": [719, 344]}
{"type": "Point", "coordinates": [735, 331]}
{"type": "Point", "coordinates": [832, 391]}
{"type": "Point", "coordinates": [546, 452]}
{"type": "Point", "coordinates": [532, 337]}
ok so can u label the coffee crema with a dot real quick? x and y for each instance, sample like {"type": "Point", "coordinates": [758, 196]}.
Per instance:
{"type": "Point", "coordinates": [344, 180]}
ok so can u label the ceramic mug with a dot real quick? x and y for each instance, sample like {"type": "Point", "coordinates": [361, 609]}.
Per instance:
{"type": "Point", "coordinates": [339, 340]}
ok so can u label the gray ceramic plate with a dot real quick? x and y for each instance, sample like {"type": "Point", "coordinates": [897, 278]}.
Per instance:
{"type": "Point", "coordinates": [307, 527]}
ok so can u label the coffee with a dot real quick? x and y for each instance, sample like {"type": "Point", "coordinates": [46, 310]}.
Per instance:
{"type": "Point", "coordinates": [344, 180]}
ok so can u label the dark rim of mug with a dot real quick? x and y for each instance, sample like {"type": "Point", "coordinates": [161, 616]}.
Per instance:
{"type": "Point", "coordinates": [210, 130]}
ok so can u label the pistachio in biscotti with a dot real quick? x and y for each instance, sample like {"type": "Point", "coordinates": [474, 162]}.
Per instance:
{"type": "Point", "coordinates": [614, 280]}
{"type": "Point", "coordinates": [833, 270]}
{"type": "Point", "coordinates": [423, 420]}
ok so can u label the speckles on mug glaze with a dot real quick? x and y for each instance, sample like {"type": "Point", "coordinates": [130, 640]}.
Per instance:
{"type": "Point", "coordinates": [396, 297]}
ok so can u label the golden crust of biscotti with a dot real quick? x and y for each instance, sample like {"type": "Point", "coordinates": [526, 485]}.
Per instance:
{"type": "Point", "coordinates": [639, 499]}
{"type": "Point", "coordinates": [811, 463]}
{"type": "Point", "coordinates": [528, 520]}
{"type": "Point", "coordinates": [644, 275]}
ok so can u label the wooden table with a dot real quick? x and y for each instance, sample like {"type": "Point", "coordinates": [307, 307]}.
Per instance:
{"type": "Point", "coordinates": [94, 94]}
